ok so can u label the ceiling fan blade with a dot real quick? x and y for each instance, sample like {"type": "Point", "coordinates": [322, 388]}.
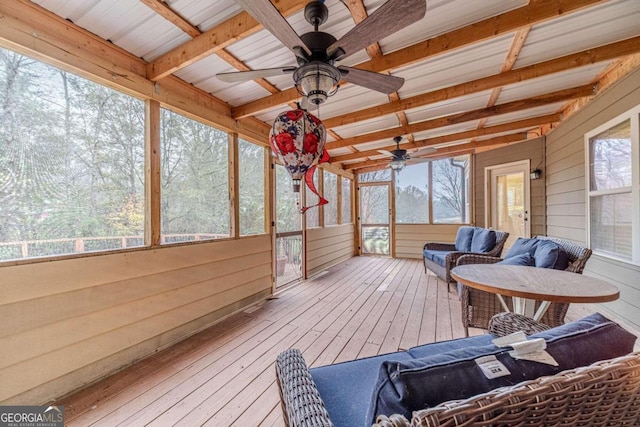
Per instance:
{"type": "Point", "coordinates": [392, 16]}
{"type": "Point", "coordinates": [427, 150]}
{"type": "Point", "coordinates": [270, 18]}
{"type": "Point", "coordinates": [414, 161]}
{"type": "Point", "coordinates": [374, 81]}
{"type": "Point", "coordinates": [243, 76]}
{"type": "Point", "coordinates": [386, 152]}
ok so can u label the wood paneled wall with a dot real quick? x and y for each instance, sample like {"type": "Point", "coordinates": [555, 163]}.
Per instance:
{"type": "Point", "coordinates": [410, 238]}
{"type": "Point", "coordinates": [532, 150]}
{"type": "Point", "coordinates": [68, 322]}
{"type": "Point", "coordinates": [328, 246]}
{"type": "Point", "coordinates": [566, 189]}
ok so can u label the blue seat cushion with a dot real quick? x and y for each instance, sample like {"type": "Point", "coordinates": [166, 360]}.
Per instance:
{"type": "Point", "coordinates": [463, 238]}
{"type": "Point", "coordinates": [407, 385]}
{"type": "Point", "coordinates": [483, 240]}
{"type": "Point", "coordinates": [436, 256]}
{"type": "Point", "coordinates": [346, 388]}
{"type": "Point", "coordinates": [524, 259]}
{"type": "Point", "coordinates": [550, 255]}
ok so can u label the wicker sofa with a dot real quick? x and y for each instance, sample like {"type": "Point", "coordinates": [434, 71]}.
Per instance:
{"type": "Point", "coordinates": [441, 257]}
{"type": "Point", "coordinates": [596, 383]}
{"type": "Point", "coordinates": [478, 307]}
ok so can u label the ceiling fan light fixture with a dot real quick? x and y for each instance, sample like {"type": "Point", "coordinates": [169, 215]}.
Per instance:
{"type": "Point", "coordinates": [317, 81]}
{"type": "Point", "coordinates": [397, 164]}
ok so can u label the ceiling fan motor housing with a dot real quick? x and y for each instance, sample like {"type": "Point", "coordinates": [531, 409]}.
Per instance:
{"type": "Point", "coordinates": [317, 42]}
{"type": "Point", "coordinates": [316, 13]}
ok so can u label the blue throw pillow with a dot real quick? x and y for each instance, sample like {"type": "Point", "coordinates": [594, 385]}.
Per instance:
{"type": "Point", "coordinates": [550, 255]}
{"type": "Point", "coordinates": [405, 386]}
{"type": "Point", "coordinates": [463, 238]}
{"type": "Point", "coordinates": [524, 259]}
{"type": "Point", "coordinates": [483, 240]}
{"type": "Point", "coordinates": [522, 246]}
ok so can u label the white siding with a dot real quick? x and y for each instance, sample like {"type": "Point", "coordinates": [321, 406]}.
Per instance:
{"type": "Point", "coordinates": [566, 189]}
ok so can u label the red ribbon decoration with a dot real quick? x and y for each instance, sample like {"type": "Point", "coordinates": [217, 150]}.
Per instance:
{"type": "Point", "coordinates": [308, 178]}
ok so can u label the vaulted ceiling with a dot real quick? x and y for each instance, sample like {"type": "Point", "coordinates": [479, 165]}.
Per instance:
{"type": "Point", "coordinates": [478, 74]}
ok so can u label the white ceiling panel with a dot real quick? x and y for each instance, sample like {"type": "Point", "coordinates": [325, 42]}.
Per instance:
{"type": "Point", "coordinates": [551, 83]}
{"type": "Point", "coordinates": [339, 151]}
{"type": "Point", "coordinates": [578, 31]}
{"type": "Point", "coordinates": [469, 63]}
{"type": "Point", "coordinates": [525, 114]}
{"type": "Point", "coordinates": [205, 14]}
{"type": "Point", "coordinates": [444, 16]}
{"type": "Point", "coordinates": [474, 101]}
{"type": "Point", "coordinates": [373, 145]}
{"type": "Point", "coordinates": [351, 98]}
{"type": "Point", "coordinates": [72, 10]}
{"type": "Point", "coordinates": [447, 130]}
{"type": "Point", "coordinates": [367, 126]}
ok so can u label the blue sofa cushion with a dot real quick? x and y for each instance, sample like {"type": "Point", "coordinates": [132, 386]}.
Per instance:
{"type": "Point", "coordinates": [483, 240]}
{"type": "Point", "coordinates": [546, 253]}
{"type": "Point", "coordinates": [550, 255]}
{"type": "Point", "coordinates": [522, 246]}
{"type": "Point", "coordinates": [463, 238]}
{"type": "Point", "coordinates": [524, 259]}
{"type": "Point", "coordinates": [347, 387]}
{"type": "Point", "coordinates": [436, 256]}
{"type": "Point", "coordinates": [407, 385]}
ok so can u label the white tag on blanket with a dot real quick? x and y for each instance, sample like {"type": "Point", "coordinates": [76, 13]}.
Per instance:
{"type": "Point", "coordinates": [525, 349]}
{"type": "Point", "coordinates": [539, 356]}
{"type": "Point", "coordinates": [491, 367]}
{"type": "Point", "coordinates": [507, 340]}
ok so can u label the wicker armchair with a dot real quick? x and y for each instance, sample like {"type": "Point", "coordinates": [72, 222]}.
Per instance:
{"type": "Point", "coordinates": [444, 272]}
{"type": "Point", "coordinates": [478, 307]}
{"type": "Point", "coordinates": [606, 393]}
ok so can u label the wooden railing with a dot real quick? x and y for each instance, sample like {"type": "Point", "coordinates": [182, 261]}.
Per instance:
{"type": "Point", "coordinates": [50, 247]}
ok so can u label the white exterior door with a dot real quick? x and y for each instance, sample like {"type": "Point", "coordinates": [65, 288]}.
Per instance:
{"type": "Point", "coordinates": [507, 190]}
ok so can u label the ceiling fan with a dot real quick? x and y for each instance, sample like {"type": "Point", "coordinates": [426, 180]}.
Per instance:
{"type": "Point", "coordinates": [316, 77]}
{"type": "Point", "coordinates": [400, 157]}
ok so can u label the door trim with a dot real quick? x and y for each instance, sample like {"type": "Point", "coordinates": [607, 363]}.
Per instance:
{"type": "Point", "coordinates": [524, 165]}
{"type": "Point", "coordinates": [390, 224]}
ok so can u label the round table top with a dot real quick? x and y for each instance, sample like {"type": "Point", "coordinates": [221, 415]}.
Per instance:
{"type": "Point", "coordinates": [543, 284]}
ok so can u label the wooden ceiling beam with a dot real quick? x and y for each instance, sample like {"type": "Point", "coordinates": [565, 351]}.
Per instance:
{"type": "Point", "coordinates": [449, 151]}
{"type": "Point", "coordinates": [163, 9]}
{"type": "Point", "coordinates": [209, 42]}
{"type": "Point", "coordinates": [575, 60]}
{"type": "Point", "coordinates": [378, 164]}
{"type": "Point", "coordinates": [509, 107]}
{"type": "Point", "coordinates": [512, 56]}
{"type": "Point", "coordinates": [533, 13]}
{"type": "Point", "coordinates": [458, 136]}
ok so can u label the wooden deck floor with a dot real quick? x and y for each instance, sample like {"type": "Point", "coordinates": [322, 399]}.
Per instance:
{"type": "Point", "coordinates": [224, 376]}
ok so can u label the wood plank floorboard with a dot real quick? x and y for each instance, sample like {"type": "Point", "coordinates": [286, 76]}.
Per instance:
{"type": "Point", "coordinates": [224, 375]}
